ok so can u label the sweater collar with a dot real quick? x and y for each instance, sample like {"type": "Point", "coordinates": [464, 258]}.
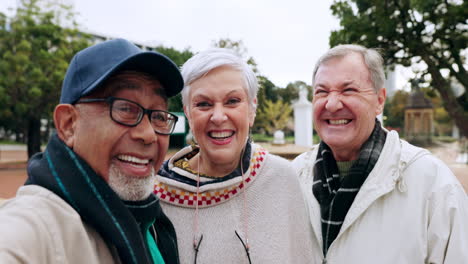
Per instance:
{"type": "Point", "coordinates": [178, 186]}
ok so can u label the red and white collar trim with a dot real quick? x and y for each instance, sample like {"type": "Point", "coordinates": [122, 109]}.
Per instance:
{"type": "Point", "coordinates": [171, 192]}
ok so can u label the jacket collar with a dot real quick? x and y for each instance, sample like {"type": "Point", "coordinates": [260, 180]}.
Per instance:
{"type": "Point", "coordinates": [179, 187]}
{"type": "Point", "coordinates": [386, 176]}
{"type": "Point", "coordinates": [63, 172]}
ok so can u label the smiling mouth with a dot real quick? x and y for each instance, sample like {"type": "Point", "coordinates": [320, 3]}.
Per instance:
{"type": "Point", "coordinates": [133, 160]}
{"type": "Point", "coordinates": [338, 121]}
{"type": "Point", "coordinates": [221, 135]}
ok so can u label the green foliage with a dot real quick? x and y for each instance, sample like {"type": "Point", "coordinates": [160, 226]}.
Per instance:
{"type": "Point", "coordinates": [267, 138]}
{"type": "Point", "coordinates": [445, 139]}
{"type": "Point", "coordinates": [430, 32]}
{"type": "Point", "coordinates": [34, 54]}
{"type": "Point", "coordinates": [239, 48]}
{"type": "Point", "coordinates": [394, 110]}
{"type": "Point", "coordinates": [443, 123]}
{"type": "Point", "coordinates": [266, 90]}
{"type": "Point", "coordinates": [291, 92]}
{"type": "Point", "coordinates": [179, 58]}
{"type": "Point", "coordinates": [269, 93]}
{"type": "Point", "coordinates": [273, 116]}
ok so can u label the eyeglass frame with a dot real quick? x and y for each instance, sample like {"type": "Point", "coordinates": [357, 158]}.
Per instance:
{"type": "Point", "coordinates": [196, 247]}
{"type": "Point", "coordinates": [111, 99]}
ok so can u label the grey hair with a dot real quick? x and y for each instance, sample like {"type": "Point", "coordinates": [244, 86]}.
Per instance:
{"type": "Point", "coordinates": [204, 62]}
{"type": "Point", "coordinates": [372, 59]}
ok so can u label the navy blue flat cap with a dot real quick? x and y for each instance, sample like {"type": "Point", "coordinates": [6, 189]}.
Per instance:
{"type": "Point", "coordinates": [90, 67]}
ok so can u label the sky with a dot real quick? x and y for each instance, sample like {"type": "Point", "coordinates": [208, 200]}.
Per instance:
{"type": "Point", "coordinates": [285, 38]}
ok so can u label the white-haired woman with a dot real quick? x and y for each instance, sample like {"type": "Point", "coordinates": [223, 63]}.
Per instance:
{"type": "Point", "coordinates": [229, 200]}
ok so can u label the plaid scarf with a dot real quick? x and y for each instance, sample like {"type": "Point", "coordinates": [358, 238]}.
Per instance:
{"type": "Point", "coordinates": [335, 196]}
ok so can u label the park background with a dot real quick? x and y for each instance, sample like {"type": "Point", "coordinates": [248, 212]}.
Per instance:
{"type": "Point", "coordinates": [421, 40]}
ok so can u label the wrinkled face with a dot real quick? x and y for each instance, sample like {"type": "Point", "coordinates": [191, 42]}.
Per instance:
{"type": "Point", "coordinates": [220, 115]}
{"type": "Point", "coordinates": [126, 157]}
{"type": "Point", "coordinates": [345, 105]}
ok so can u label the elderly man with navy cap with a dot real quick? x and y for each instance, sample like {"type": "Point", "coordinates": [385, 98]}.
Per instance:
{"type": "Point", "coordinates": [88, 197]}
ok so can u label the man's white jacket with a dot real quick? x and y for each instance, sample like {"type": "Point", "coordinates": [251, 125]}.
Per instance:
{"type": "Point", "coordinates": [48, 230]}
{"type": "Point", "coordinates": [410, 209]}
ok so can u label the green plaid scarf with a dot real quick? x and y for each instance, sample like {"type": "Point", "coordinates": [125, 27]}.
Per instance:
{"type": "Point", "coordinates": [335, 196]}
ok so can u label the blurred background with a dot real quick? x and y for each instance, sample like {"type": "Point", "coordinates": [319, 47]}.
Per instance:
{"type": "Point", "coordinates": [424, 44]}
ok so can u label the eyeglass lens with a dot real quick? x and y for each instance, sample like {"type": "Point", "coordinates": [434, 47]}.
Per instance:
{"type": "Point", "coordinates": [130, 113]}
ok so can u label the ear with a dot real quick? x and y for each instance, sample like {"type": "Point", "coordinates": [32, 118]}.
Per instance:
{"type": "Point", "coordinates": [65, 118]}
{"type": "Point", "coordinates": [187, 114]}
{"type": "Point", "coordinates": [381, 96]}
{"type": "Point", "coordinates": [252, 113]}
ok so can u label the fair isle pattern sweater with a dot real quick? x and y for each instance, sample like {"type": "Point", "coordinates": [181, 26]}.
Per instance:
{"type": "Point", "coordinates": [274, 221]}
{"type": "Point", "coordinates": [183, 194]}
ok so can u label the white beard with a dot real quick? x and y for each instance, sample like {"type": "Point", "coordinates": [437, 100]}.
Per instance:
{"type": "Point", "coordinates": [131, 188]}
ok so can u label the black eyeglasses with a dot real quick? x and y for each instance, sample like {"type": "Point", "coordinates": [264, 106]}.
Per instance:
{"type": "Point", "coordinates": [129, 113]}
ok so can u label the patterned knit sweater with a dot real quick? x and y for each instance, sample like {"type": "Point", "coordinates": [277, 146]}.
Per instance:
{"type": "Point", "coordinates": [275, 220]}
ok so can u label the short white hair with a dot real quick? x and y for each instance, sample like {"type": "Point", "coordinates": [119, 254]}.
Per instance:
{"type": "Point", "coordinates": [204, 62]}
{"type": "Point", "coordinates": [372, 59]}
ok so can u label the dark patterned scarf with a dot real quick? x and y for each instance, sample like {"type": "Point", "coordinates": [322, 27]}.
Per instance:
{"type": "Point", "coordinates": [120, 223]}
{"type": "Point", "coordinates": [334, 195]}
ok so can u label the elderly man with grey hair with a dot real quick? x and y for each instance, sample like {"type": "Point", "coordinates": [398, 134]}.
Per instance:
{"type": "Point", "coordinates": [373, 197]}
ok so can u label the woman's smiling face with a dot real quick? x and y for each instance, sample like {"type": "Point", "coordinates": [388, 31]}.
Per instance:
{"type": "Point", "coordinates": [220, 115]}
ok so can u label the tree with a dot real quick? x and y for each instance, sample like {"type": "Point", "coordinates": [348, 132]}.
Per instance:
{"type": "Point", "coordinates": [266, 92]}
{"type": "Point", "coordinates": [239, 48]}
{"type": "Point", "coordinates": [291, 92]}
{"type": "Point", "coordinates": [443, 124]}
{"type": "Point", "coordinates": [179, 58]}
{"type": "Point", "coordinates": [429, 32]}
{"type": "Point", "coordinates": [273, 116]}
{"type": "Point", "coordinates": [35, 51]}
{"type": "Point", "coordinates": [394, 110]}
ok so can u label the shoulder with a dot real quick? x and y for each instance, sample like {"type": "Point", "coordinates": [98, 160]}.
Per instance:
{"type": "Point", "coordinates": [277, 179]}
{"type": "Point", "coordinates": [277, 161]}
{"type": "Point", "coordinates": [30, 223]}
{"type": "Point", "coordinates": [33, 199]}
{"type": "Point", "coordinates": [303, 164]}
{"type": "Point", "coordinates": [305, 157]}
{"type": "Point", "coordinates": [433, 173]}
{"type": "Point", "coordinates": [427, 173]}
{"type": "Point", "coordinates": [37, 205]}
{"type": "Point", "coordinates": [420, 162]}
{"type": "Point", "coordinates": [413, 163]}
{"type": "Point", "coordinates": [271, 167]}
{"type": "Point", "coordinates": [265, 161]}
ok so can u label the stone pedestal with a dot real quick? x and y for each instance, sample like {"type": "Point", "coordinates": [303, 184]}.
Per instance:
{"type": "Point", "coordinates": [303, 133]}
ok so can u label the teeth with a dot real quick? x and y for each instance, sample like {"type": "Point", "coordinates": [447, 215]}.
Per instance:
{"type": "Point", "coordinates": [224, 134]}
{"type": "Point", "coordinates": [339, 122]}
{"type": "Point", "coordinates": [132, 159]}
